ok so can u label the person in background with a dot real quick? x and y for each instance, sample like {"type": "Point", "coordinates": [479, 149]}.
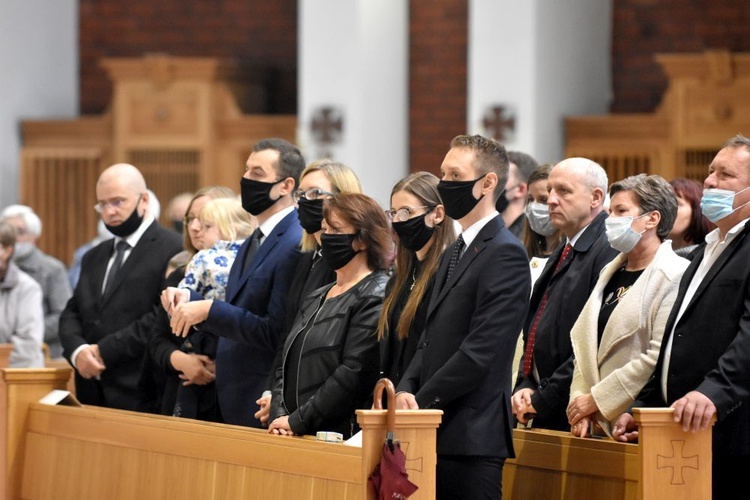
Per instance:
{"type": "Point", "coordinates": [418, 217]}
{"type": "Point", "coordinates": [691, 227]}
{"type": "Point", "coordinates": [170, 367]}
{"type": "Point", "coordinates": [516, 192]}
{"type": "Point", "coordinates": [462, 364]}
{"type": "Point", "coordinates": [540, 237]}
{"type": "Point", "coordinates": [106, 324]}
{"type": "Point", "coordinates": [703, 369]}
{"type": "Point", "coordinates": [319, 181]}
{"type": "Point", "coordinates": [576, 188]}
{"type": "Point", "coordinates": [617, 337]}
{"type": "Point", "coordinates": [176, 209]}
{"type": "Point", "coordinates": [49, 272]}
{"type": "Point", "coordinates": [330, 357]}
{"type": "Point", "coordinates": [224, 227]}
{"type": "Point", "coordinates": [21, 313]}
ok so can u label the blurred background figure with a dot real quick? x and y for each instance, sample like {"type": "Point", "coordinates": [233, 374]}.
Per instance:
{"type": "Point", "coordinates": [540, 237]}
{"type": "Point", "coordinates": [176, 210]}
{"type": "Point", "coordinates": [512, 202]}
{"type": "Point", "coordinates": [21, 313]}
{"type": "Point", "coordinates": [49, 272]}
{"type": "Point", "coordinates": [691, 226]}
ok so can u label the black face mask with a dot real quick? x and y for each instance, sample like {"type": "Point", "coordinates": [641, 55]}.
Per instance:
{"type": "Point", "coordinates": [178, 225]}
{"type": "Point", "coordinates": [502, 203]}
{"type": "Point", "coordinates": [414, 233]}
{"type": "Point", "coordinates": [458, 198]}
{"type": "Point", "coordinates": [310, 215]}
{"type": "Point", "coordinates": [337, 249]}
{"type": "Point", "coordinates": [256, 195]}
{"type": "Point", "coordinates": [130, 225]}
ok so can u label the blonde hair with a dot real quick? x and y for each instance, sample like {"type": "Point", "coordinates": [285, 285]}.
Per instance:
{"type": "Point", "coordinates": [227, 214]}
{"type": "Point", "coordinates": [343, 180]}
{"type": "Point", "coordinates": [212, 192]}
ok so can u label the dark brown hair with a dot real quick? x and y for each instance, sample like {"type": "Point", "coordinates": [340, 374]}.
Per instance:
{"type": "Point", "coordinates": [691, 191]}
{"type": "Point", "coordinates": [370, 225]}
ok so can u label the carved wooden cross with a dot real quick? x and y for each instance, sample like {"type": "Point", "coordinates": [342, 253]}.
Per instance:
{"type": "Point", "coordinates": [496, 125]}
{"type": "Point", "coordinates": [677, 462]}
{"type": "Point", "coordinates": [327, 125]}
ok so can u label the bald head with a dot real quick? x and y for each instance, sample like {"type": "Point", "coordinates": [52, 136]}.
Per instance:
{"type": "Point", "coordinates": [124, 174]}
{"type": "Point", "coordinates": [120, 190]}
{"type": "Point", "coordinates": [576, 189]}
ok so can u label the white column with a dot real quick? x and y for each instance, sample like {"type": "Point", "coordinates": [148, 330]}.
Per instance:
{"type": "Point", "coordinates": [38, 74]}
{"type": "Point", "coordinates": [353, 57]}
{"type": "Point", "coordinates": [542, 61]}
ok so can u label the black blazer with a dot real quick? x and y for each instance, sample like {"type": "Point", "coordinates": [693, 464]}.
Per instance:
{"type": "Point", "coordinates": [462, 365]}
{"type": "Point", "coordinates": [711, 346]}
{"type": "Point", "coordinates": [568, 289]}
{"type": "Point", "coordinates": [119, 323]}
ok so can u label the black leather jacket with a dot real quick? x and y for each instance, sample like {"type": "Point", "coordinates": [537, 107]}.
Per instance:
{"type": "Point", "coordinates": [338, 365]}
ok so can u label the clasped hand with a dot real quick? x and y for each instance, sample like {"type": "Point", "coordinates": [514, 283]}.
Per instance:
{"type": "Point", "coordinates": [183, 313]}
{"type": "Point", "coordinates": [522, 407]}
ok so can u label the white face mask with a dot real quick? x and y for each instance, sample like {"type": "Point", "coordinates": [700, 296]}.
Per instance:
{"type": "Point", "coordinates": [538, 217]}
{"type": "Point", "coordinates": [23, 249]}
{"type": "Point", "coordinates": [620, 233]}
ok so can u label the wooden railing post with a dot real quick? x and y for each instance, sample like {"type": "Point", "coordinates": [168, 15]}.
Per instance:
{"type": "Point", "coordinates": [18, 388]}
{"type": "Point", "coordinates": [674, 464]}
{"type": "Point", "coordinates": [416, 430]}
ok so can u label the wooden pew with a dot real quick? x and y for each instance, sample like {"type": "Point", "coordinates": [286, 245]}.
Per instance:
{"type": "Point", "coordinates": [90, 452]}
{"type": "Point", "coordinates": [666, 463]}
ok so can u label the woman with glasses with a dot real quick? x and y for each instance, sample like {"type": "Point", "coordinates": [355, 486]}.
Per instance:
{"type": "Point", "coordinates": [418, 218]}
{"type": "Point", "coordinates": [330, 356]}
{"type": "Point", "coordinates": [319, 181]}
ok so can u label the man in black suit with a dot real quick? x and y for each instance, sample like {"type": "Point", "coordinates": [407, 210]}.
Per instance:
{"type": "Point", "coordinates": [576, 206]}
{"type": "Point", "coordinates": [704, 366]}
{"type": "Point", "coordinates": [105, 326]}
{"type": "Point", "coordinates": [462, 365]}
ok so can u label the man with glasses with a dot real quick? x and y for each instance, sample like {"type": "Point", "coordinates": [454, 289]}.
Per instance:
{"type": "Point", "coordinates": [105, 325]}
{"type": "Point", "coordinates": [249, 323]}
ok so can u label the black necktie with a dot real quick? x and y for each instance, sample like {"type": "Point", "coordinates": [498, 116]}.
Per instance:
{"type": "Point", "coordinates": [121, 247]}
{"type": "Point", "coordinates": [455, 256]}
{"type": "Point", "coordinates": [254, 245]}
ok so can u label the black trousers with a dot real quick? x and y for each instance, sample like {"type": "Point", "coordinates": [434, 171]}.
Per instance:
{"type": "Point", "coordinates": [469, 477]}
{"type": "Point", "coordinates": [729, 479]}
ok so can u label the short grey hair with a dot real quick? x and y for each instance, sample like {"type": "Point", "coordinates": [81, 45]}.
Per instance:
{"type": "Point", "coordinates": [31, 220]}
{"type": "Point", "coordinates": [653, 194]}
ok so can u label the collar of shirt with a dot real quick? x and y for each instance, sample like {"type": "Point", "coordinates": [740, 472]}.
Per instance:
{"type": "Point", "coordinates": [134, 238]}
{"type": "Point", "coordinates": [713, 237]}
{"type": "Point", "coordinates": [577, 236]}
{"type": "Point", "coordinates": [472, 231]}
{"type": "Point", "coordinates": [273, 220]}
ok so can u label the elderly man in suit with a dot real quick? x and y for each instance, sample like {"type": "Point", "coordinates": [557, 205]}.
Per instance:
{"type": "Point", "coordinates": [249, 323]}
{"type": "Point", "coordinates": [704, 366]}
{"type": "Point", "coordinates": [576, 189]}
{"type": "Point", "coordinates": [105, 326]}
{"type": "Point", "coordinates": [463, 363]}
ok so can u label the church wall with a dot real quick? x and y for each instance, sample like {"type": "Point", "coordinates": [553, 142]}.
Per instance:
{"type": "Point", "coordinates": [261, 34]}
{"type": "Point", "coordinates": [642, 28]}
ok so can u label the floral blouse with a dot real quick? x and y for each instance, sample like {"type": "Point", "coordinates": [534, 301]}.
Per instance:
{"type": "Point", "coordinates": [208, 271]}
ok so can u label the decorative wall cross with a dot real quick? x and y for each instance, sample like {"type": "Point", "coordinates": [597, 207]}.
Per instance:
{"type": "Point", "coordinates": [497, 125]}
{"type": "Point", "coordinates": [327, 128]}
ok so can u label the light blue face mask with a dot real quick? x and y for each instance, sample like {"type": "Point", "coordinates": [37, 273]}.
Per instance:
{"type": "Point", "coordinates": [716, 204]}
{"type": "Point", "coordinates": [620, 234]}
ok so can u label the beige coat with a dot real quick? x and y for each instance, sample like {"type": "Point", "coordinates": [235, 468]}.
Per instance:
{"type": "Point", "coordinates": [615, 370]}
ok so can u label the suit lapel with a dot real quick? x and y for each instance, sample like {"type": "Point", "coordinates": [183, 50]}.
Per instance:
{"type": "Point", "coordinates": [471, 253]}
{"type": "Point", "coordinates": [100, 268]}
{"type": "Point", "coordinates": [140, 251]}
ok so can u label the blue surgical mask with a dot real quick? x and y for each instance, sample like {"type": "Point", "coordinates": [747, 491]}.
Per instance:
{"type": "Point", "coordinates": [716, 204]}
{"type": "Point", "coordinates": [620, 234]}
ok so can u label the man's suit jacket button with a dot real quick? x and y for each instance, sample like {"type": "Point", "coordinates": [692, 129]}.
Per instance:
{"type": "Point", "coordinates": [426, 342]}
